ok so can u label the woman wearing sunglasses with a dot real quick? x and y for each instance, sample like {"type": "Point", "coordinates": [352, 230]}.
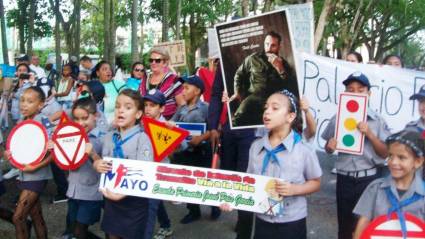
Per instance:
{"type": "Point", "coordinates": [138, 73]}
{"type": "Point", "coordinates": [163, 79]}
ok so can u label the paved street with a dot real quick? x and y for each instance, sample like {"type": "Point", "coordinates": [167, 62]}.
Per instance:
{"type": "Point", "coordinates": [321, 219]}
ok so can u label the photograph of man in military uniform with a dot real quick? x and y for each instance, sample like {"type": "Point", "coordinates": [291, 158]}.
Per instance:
{"type": "Point", "coordinates": [256, 69]}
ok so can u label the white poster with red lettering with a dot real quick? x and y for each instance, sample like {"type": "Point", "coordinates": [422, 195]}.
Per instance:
{"type": "Point", "coordinates": [188, 184]}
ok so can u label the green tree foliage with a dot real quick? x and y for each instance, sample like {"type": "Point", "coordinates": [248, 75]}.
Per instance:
{"type": "Point", "coordinates": [196, 16]}
{"type": "Point", "coordinates": [19, 17]}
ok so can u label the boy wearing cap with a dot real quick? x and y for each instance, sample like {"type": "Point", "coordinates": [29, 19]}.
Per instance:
{"type": "Point", "coordinates": [154, 105]}
{"type": "Point", "coordinates": [199, 151]}
{"type": "Point", "coordinates": [418, 125]}
{"type": "Point", "coordinates": [355, 172]}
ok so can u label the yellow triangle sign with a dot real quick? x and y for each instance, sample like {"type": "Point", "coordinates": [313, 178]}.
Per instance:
{"type": "Point", "coordinates": [163, 138]}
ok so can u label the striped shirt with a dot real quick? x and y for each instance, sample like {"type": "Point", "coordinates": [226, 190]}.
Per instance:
{"type": "Point", "coordinates": [165, 86]}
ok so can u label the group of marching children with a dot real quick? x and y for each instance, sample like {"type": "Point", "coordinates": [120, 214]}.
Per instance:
{"type": "Point", "coordinates": [281, 152]}
{"type": "Point", "coordinates": [123, 216]}
{"type": "Point", "coordinates": [362, 192]}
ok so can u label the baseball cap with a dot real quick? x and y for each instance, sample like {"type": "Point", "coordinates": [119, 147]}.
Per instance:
{"type": "Point", "coordinates": [23, 57]}
{"type": "Point", "coordinates": [420, 95]}
{"type": "Point", "coordinates": [155, 96]}
{"type": "Point", "coordinates": [359, 77]}
{"type": "Point", "coordinates": [196, 81]}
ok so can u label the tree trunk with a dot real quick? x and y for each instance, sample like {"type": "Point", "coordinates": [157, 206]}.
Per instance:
{"type": "Point", "coordinates": [190, 52]}
{"type": "Point", "coordinates": [31, 27]}
{"type": "Point", "coordinates": [21, 25]}
{"type": "Point", "coordinates": [77, 28]}
{"type": "Point", "coordinates": [165, 27]}
{"type": "Point", "coordinates": [3, 34]}
{"type": "Point", "coordinates": [245, 7]}
{"type": "Point", "coordinates": [321, 23]}
{"type": "Point", "coordinates": [267, 5]}
{"type": "Point", "coordinates": [254, 6]}
{"type": "Point", "coordinates": [142, 38]}
{"type": "Point", "coordinates": [57, 37]}
{"type": "Point", "coordinates": [69, 38]}
{"type": "Point", "coordinates": [134, 40]}
{"type": "Point", "coordinates": [113, 35]}
{"type": "Point", "coordinates": [178, 17]}
{"type": "Point", "coordinates": [106, 28]}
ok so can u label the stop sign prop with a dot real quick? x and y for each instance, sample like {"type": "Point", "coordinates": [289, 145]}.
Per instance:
{"type": "Point", "coordinates": [27, 143]}
{"type": "Point", "coordinates": [69, 141]}
{"type": "Point", "coordinates": [389, 228]}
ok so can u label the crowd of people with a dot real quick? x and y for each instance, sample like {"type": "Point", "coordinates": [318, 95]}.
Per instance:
{"type": "Point", "coordinates": [387, 178]}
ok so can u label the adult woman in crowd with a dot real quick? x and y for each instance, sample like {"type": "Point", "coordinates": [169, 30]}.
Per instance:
{"type": "Point", "coordinates": [393, 60]}
{"type": "Point", "coordinates": [163, 79]}
{"type": "Point", "coordinates": [138, 74]}
{"type": "Point", "coordinates": [354, 57]}
{"type": "Point", "coordinates": [103, 73]}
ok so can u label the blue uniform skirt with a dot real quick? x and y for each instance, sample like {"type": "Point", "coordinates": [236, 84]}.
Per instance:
{"type": "Point", "coordinates": [35, 186]}
{"type": "Point", "coordinates": [126, 218]}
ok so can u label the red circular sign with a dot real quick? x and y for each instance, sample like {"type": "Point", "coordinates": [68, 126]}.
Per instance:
{"type": "Point", "coordinates": [352, 106]}
{"type": "Point", "coordinates": [383, 227]}
{"type": "Point", "coordinates": [69, 141]}
{"type": "Point", "coordinates": [27, 143]}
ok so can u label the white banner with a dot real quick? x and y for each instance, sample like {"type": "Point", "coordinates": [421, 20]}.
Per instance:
{"type": "Point", "coordinates": [192, 185]}
{"type": "Point", "coordinates": [320, 80]}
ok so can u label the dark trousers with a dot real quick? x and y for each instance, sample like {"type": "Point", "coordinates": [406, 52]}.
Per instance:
{"type": "Point", "coordinates": [151, 219]}
{"type": "Point", "coordinates": [290, 230]}
{"type": "Point", "coordinates": [199, 156]}
{"type": "Point", "coordinates": [235, 146]}
{"type": "Point", "coordinates": [60, 179]}
{"type": "Point", "coordinates": [348, 192]}
{"type": "Point", "coordinates": [163, 219]}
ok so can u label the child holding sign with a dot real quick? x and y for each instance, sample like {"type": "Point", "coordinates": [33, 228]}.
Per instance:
{"type": "Point", "coordinates": [85, 200]}
{"type": "Point", "coordinates": [154, 105]}
{"type": "Point", "coordinates": [355, 172]}
{"type": "Point", "coordinates": [199, 151]}
{"type": "Point", "coordinates": [281, 154]}
{"type": "Point", "coordinates": [405, 187]}
{"type": "Point", "coordinates": [32, 179]}
{"type": "Point", "coordinates": [126, 216]}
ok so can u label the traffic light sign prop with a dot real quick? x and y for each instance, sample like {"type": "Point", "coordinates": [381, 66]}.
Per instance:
{"type": "Point", "coordinates": [352, 110]}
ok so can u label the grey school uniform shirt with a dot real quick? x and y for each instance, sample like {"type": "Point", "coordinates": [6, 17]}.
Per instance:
{"type": "Point", "coordinates": [51, 107]}
{"type": "Point", "coordinates": [297, 164]}
{"type": "Point", "coordinates": [374, 201]}
{"type": "Point", "coordinates": [83, 183]}
{"type": "Point", "coordinates": [196, 114]}
{"type": "Point", "coordinates": [369, 159]}
{"type": "Point", "coordinates": [138, 147]}
{"type": "Point", "coordinates": [43, 173]}
{"type": "Point", "coordinates": [416, 126]}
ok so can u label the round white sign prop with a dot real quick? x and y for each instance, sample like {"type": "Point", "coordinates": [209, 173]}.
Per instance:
{"type": "Point", "coordinates": [27, 143]}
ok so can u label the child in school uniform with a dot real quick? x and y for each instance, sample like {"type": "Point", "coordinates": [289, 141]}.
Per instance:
{"type": "Point", "coordinates": [53, 110]}
{"type": "Point", "coordinates": [32, 180]}
{"type": "Point", "coordinates": [96, 91]}
{"type": "Point", "coordinates": [126, 216]}
{"type": "Point", "coordinates": [154, 105]}
{"type": "Point", "coordinates": [403, 190]}
{"type": "Point", "coordinates": [419, 124]}
{"type": "Point", "coordinates": [85, 200]}
{"type": "Point", "coordinates": [355, 172]}
{"type": "Point", "coordinates": [282, 155]}
{"type": "Point", "coordinates": [199, 151]}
